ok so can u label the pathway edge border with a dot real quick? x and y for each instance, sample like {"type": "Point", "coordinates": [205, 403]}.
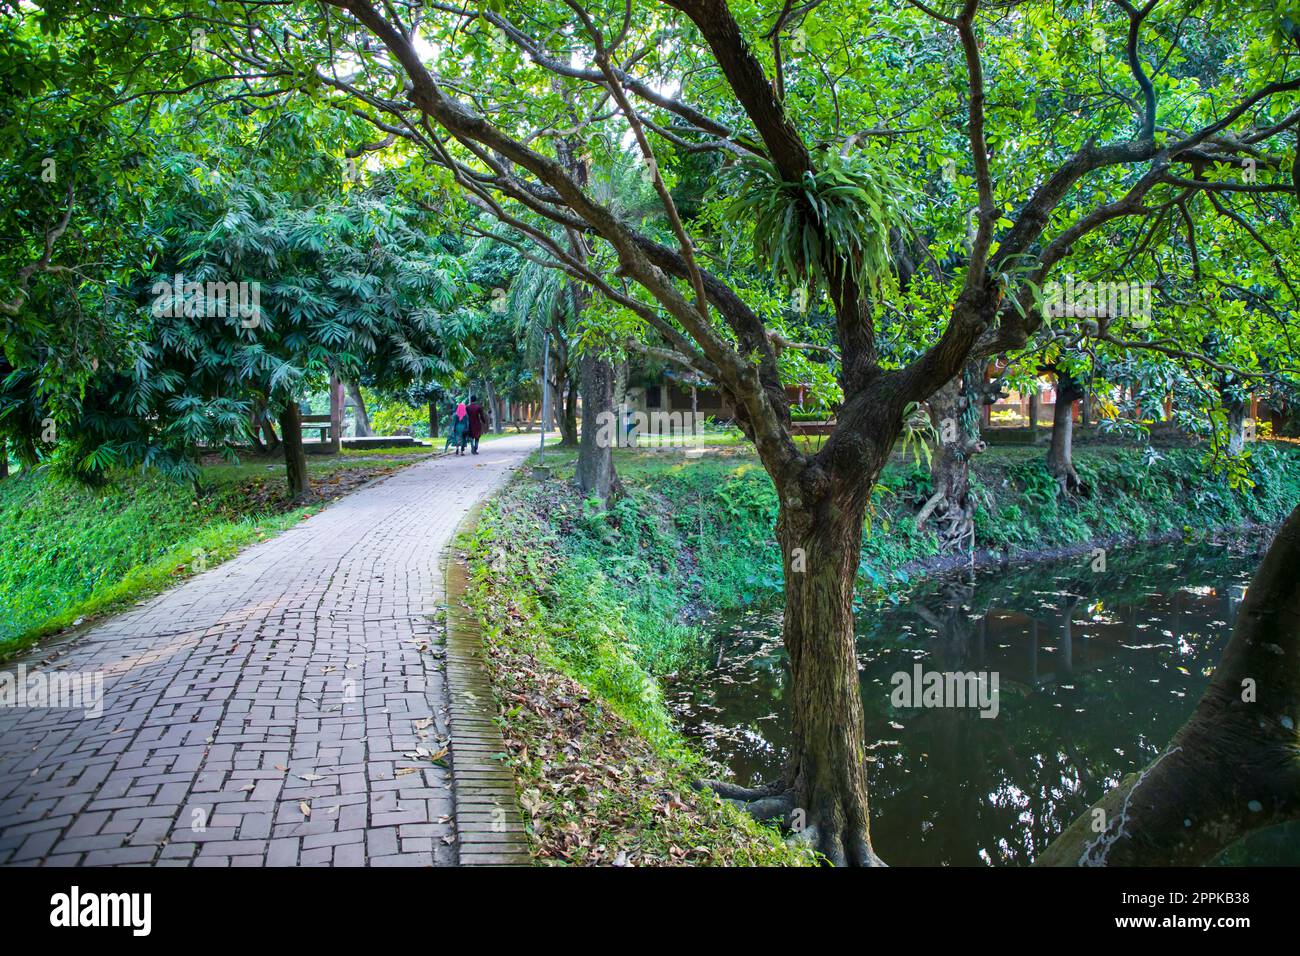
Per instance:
{"type": "Point", "coordinates": [487, 811]}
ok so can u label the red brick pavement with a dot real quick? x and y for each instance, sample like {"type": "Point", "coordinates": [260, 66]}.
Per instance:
{"type": "Point", "coordinates": [304, 674]}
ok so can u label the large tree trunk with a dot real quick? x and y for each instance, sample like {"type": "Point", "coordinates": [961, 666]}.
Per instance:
{"type": "Point", "coordinates": [595, 472]}
{"type": "Point", "coordinates": [826, 771]}
{"type": "Point", "coordinates": [822, 793]}
{"type": "Point", "coordinates": [295, 456]}
{"type": "Point", "coordinates": [1233, 767]}
{"type": "Point", "coordinates": [359, 410]}
{"type": "Point", "coordinates": [950, 502]}
{"type": "Point", "coordinates": [1060, 455]}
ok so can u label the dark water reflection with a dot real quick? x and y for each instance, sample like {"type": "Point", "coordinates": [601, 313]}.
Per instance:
{"type": "Point", "coordinates": [1096, 673]}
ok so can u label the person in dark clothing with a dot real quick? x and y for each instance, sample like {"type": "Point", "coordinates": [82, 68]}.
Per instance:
{"type": "Point", "coordinates": [478, 423]}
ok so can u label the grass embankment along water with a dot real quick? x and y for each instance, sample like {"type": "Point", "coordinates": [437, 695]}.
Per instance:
{"type": "Point", "coordinates": [586, 612]}
{"type": "Point", "coordinates": [71, 553]}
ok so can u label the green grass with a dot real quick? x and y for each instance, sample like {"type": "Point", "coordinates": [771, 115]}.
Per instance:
{"type": "Point", "coordinates": [548, 615]}
{"type": "Point", "coordinates": [69, 552]}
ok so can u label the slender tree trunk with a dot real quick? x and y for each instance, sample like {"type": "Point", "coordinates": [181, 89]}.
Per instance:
{"type": "Point", "coordinates": [336, 415]}
{"type": "Point", "coordinates": [273, 442]}
{"type": "Point", "coordinates": [1233, 767]}
{"type": "Point", "coordinates": [433, 419]}
{"type": "Point", "coordinates": [595, 472]}
{"type": "Point", "coordinates": [620, 383]}
{"type": "Point", "coordinates": [564, 396]}
{"type": "Point", "coordinates": [1236, 426]}
{"type": "Point", "coordinates": [595, 465]}
{"type": "Point", "coordinates": [567, 420]}
{"type": "Point", "coordinates": [554, 407]}
{"type": "Point", "coordinates": [359, 410]}
{"type": "Point", "coordinates": [494, 407]}
{"type": "Point", "coordinates": [255, 417]}
{"type": "Point", "coordinates": [270, 442]}
{"type": "Point", "coordinates": [295, 456]}
{"type": "Point", "coordinates": [1060, 455]}
{"type": "Point", "coordinates": [4, 458]}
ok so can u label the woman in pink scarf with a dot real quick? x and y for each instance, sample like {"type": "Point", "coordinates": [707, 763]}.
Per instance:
{"type": "Point", "coordinates": [460, 427]}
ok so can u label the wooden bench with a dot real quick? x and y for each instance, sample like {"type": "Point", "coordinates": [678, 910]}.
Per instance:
{"type": "Point", "coordinates": [322, 423]}
{"type": "Point", "coordinates": [812, 428]}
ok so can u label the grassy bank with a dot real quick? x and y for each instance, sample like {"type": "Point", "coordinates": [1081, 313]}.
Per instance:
{"type": "Point", "coordinates": [69, 553]}
{"type": "Point", "coordinates": [589, 608]}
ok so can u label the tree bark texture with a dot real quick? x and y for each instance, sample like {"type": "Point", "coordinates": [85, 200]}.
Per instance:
{"type": "Point", "coordinates": [954, 412]}
{"type": "Point", "coordinates": [595, 471]}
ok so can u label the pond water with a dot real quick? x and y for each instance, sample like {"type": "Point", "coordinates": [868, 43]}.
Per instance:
{"type": "Point", "coordinates": [1095, 672]}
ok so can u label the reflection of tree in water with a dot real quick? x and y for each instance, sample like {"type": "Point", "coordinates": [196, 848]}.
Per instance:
{"type": "Point", "coordinates": [1090, 687]}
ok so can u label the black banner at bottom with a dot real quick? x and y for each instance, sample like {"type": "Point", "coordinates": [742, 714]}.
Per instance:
{"type": "Point", "coordinates": [420, 906]}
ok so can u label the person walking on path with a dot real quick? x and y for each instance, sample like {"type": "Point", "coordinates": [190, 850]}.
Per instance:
{"type": "Point", "coordinates": [478, 422]}
{"type": "Point", "coordinates": [460, 428]}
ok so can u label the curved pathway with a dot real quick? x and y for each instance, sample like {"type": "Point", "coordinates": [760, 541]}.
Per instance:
{"type": "Point", "coordinates": [288, 707]}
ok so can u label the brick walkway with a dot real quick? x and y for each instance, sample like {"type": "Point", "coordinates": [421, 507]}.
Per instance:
{"type": "Point", "coordinates": [266, 711]}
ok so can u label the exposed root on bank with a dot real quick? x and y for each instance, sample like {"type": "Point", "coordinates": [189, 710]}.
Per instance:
{"type": "Point", "coordinates": [774, 802]}
{"type": "Point", "coordinates": [954, 521]}
{"type": "Point", "coordinates": [734, 791]}
{"type": "Point", "coordinates": [1067, 479]}
{"type": "Point", "coordinates": [765, 803]}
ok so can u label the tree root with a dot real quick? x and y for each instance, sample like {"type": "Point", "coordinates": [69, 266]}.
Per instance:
{"type": "Point", "coordinates": [858, 853]}
{"type": "Point", "coordinates": [734, 791]}
{"type": "Point", "coordinates": [929, 507]}
{"type": "Point", "coordinates": [766, 802]}
{"type": "Point", "coordinates": [775, 802]}
{"type": "Point", "coordinates": [1067, 479]}
{"type": "Point", "coordinates": [767, 809]}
